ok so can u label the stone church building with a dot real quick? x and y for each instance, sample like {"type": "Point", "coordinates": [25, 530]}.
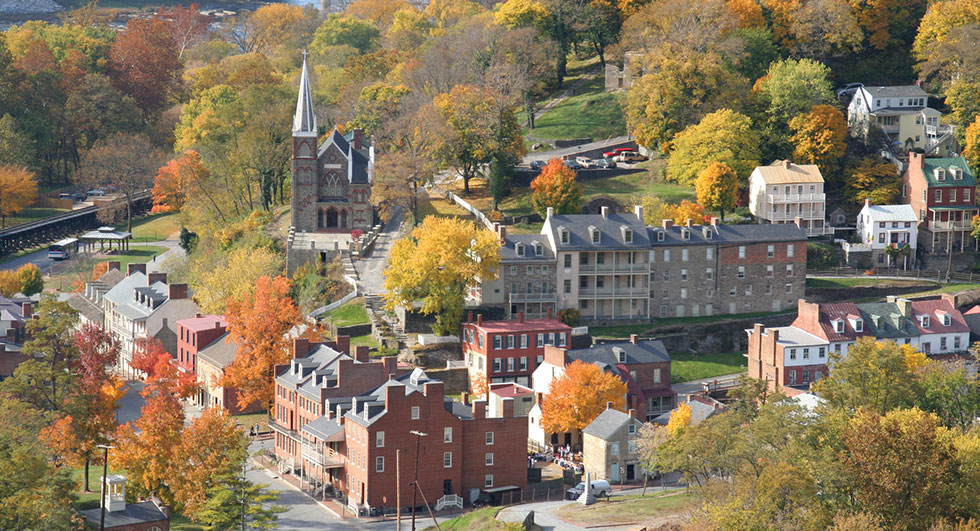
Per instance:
{"type": "Point", "coordinates": [331, 181]}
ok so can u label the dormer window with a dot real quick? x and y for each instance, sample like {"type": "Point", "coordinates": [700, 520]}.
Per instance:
{"type": "Point", "coordinates": [594, 232]}
{"type": "Point", "coordinates": [660, 235]}
{"type": "Point", "coordinates": [708, 234]}
{"type": "Point", "coordinates": [563, 234]}
{"type": "Point", "coordinates": [839, 326]}
{"type": "Point", "coordinates": [538, 249]}
{"type": "Point", "coordinates": [519, 249]}
{"type": "Point", "coordinates": [685, 234]}
{"type": "Point", "coordinates": [924, 321]}
{"type": "Point", "coordinates": [627, 234]}
{"type": "Point", "coordinates": [620, 355]}
{"type": "Point", "coordinates": [940, 174]}
{"type": "Point", "coordinates": [957, 173]}
{"type": "Point", "coordinates": [859, 325]}
{"type": "Point", "coordinates": [944, 318]}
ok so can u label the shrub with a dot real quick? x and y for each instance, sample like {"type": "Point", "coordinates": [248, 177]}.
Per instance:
{"type": "Point", "coordinates": [570, 316]}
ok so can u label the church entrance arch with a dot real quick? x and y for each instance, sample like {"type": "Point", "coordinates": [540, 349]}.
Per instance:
{"type": "Point", "coordinates": [331, 218]}
{"type": "Point", "coordinates": [343, 219]}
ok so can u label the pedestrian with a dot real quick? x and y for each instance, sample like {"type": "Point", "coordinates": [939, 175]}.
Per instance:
{"type": "Point", "coordinates": [154, 257]}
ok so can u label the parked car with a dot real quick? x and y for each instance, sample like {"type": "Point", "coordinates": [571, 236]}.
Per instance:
{"type": "Point", "coordinates": [630, 157]}
{"type": "Point", "coordinates": [609, 154]}
{"type": "Point", "coordinates": [537, 164]}
{"type": "Point", "coordinates": [848, 89]}
{"type": "Point", "coordinates": [78, 196]}
{"type": "Point", "coordinates": [624, 150]}
{"type": "Point", "coordinates": [600, 487]}
{"type": "Point", "coordinates": [64, 196]}
{"type": "Point", "coordinates": [586, 162]}
{"type": "Point", "coordinates": [571, 164]}
{"type": "Point", "coordinates": [605, 164]}
{"type": "Point", "coordinates": [97, 192]}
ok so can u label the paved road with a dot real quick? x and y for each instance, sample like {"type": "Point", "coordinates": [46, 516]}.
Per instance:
{"type": "Point", "coordinates": [558, 153]}
{"type": "Point", "coordinates": [544, 512]}
{"type": "Point", "coordinates": [686, 388]}
{"type": "Point", "coordinates": [40, 258]}
{"type": "Point", "coordinates": [131, 404]}
{"type": "Point", "coordinates": [371, 269]}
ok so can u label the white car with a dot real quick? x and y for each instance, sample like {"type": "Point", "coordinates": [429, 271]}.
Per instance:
{"type": "Point", "coordinates": [586, 162]}
{"type": "Point", "coordinates": [600, 487]}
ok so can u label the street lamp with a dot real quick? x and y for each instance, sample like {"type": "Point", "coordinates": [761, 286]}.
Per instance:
{"type": "Point", "coordinates": [418, 441]}
{"type": "Point", "coordinates": [105, 471]}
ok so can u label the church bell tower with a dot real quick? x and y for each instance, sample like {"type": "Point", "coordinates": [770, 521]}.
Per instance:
{"type": "Point", "coordinates": [304, 154]}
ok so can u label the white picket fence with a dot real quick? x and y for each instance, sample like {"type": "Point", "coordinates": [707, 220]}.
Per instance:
{"type": "Point", "coordinates": [342, 301]}
{"type": "Point", "coordinates": [469, 208]}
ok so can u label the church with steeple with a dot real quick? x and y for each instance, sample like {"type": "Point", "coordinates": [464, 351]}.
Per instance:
{"type": "Point", "coordinates": [331, 180]}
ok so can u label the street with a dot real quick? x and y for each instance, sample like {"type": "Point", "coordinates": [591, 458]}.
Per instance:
{"type": "Point", "coordinates": [371, 269]}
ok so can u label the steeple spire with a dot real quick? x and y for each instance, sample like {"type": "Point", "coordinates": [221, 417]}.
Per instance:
{"type": "Point", "coordinates": [305, 120]}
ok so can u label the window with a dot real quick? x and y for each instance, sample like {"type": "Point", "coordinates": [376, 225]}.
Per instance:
{"type": "Point", "coordinates": [564, 234]}
{"type": "Point", "coordinates": [684, 254]}
{"type": "Point", "coordinates": [923, 197]}
{"type": "Point", "coordinates": [656, 375]}
{"type": "Point", "coordinates": [732, 291]}
{"type": "Point", "coordinates": [632, 445]}
{"type": "Point", "coordinates": [709, 273]}
{"type": "Point", "coordinates": [415, 412]}
{"type": "Point", "coordinates": [939, 196]}
{"type": "Point", "coordinates": [748, 289]}
{"type": "Point", "coordinates": [685, 234]}
{"type": "Point", "coordinates": [924, 320]}
{"type": "Point", "coordinates": [614, 448]}
{"type": "Point", "coordinates": [595, 235]}
{"type": "Point", "coordinates": [522, 363]}
{"type": "Point", "coordinates": [551, 338]}
{"type": "Point", "coordinates": [789, 250]}
{"type": "Point", "coordinates": [379, 464]}
{"type": "Point", "coordinates": [956, 342]}
{"type": "Point", "coordinates": [792, 377]}
{"type": "Point", "coordinates": [627, 235]}
{"type": "Point", "coordinates": [379, 439]}
{"type": "Point", "coordinates": [881, 238]}
{"type": "Point", "coordinates": [520, 249]}
{"type": "Point", "coordinates": [741, 251]}
{"type": "Point", "coordinates": [631, 429]}
{"type": "Point", "coordinates": [806, 376]}
{"type": "Point", "coordinates": [792, 353]}
{"type": "Point", "coordinates": [952, 195]}
{"type": "Point", "coordinates": [666, 255]}
{"type": "Point", "coordinates": [859, 325]}
{"type": "Point", "coordinates": [561, 339]}
{"type": "Point", "coordinates": [806, 353]}
{"type": "Point", "coordinates": [823, 352]}
{"type": "Point", "coordinates": [683, 275]}
{"type": "Point", "coordinates": [666, 276]}
{"type": "Point", "coordinates": [741, 271]}
{"type": "Point", "coordinates": [530, 270]}
{"type": "Point", "coordinates": [488, 459]}
{"type": "Point", "coordinates": [839, 326]}
{"type": "Point", "coordinates": [789, 270]}
{"type": "Point", "coordinates": [769, 271]}
{"type": "Point", "coordinates": [488, 480]}
{"type": "Point", "coordinates": [568, 261]}
{"type": "Point", "coordinates": [966, 197]}
{"type": "Point", "coordinates": [538, 249]}
{"type": "Point", "coordinates": [489, 438]}
{"type": "Point", "coordinates": [510, 342]}
{"type": "Point", "coordinates": [789, 289]}
{"type": "Point", "coordinates": [663, 309]}
{"type": "Point", "coordinates": [583, 259]}
{"type": "Point", "coordinates": [540, 339]}
{"type": "Point", "coordinates": [665, 294]}
{"type": "Point", "coordinates": [600, 258]}
{"type": "Point", "coordinates": [447, 460]}
{"type": "Point", "coordinates": [510, 364]}
{"type": "Point", "coordinates": [709, 253]}
{"type": "Point", "coordinates": [568, 287]}
{"type": "Point", "coordinates": [946, 319]}
{"type": "Point", "coordinates": [523, 340]}
{"type": "Point", "coordinates": [497, 343]}
{"type": "Point", "coordinates": [660, 236]}
{"type": "Point", "coordinates": [770, 252]}
{"type": "Point", "coordinates": [496, 365]}
{"type": "Point", "coordinates": [479, 340]}
{"type": "Point", "coordinates": [683, 293]}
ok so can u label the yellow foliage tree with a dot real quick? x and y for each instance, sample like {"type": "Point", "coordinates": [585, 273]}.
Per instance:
{"type": "Point", "coordinates": [687, 210]}
{"type": "Point", "coordinates": [722, 136]}
{"type": "Point", "coordinates": [717, 188]}
{"type": "Point", "coordinates": [556, 187]}
{"type": "Point", "coordinates": [749, 13]}
{"type": "Point", "coordinates": [231, 276]}
{"type": "Point", "coordinates": [579, 396]}
{"type": "Point", "coordinates": [521, 13]}
{"type": "Point", "coordinates": [971, 152]}
{"type": "Point", "coordinates": [819, 137]}
{"type": "Point", "coordinates": [436, 266]}
{"type": "Point", "coordinates": [9, 283]}
{"type": "Point", "coordinates": [17, 191]}
{"type": "Point", "coordinates": [679, 419]}
{"type": "Point", "coordinates": [875, 179]}
{"type": "Point", "coordinates": [380, 12]}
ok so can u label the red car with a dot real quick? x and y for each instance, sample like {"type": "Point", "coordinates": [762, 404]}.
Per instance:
{"type": "Point", "coordinates": [623, 150]}
{"type": "Point", "coordinates": [609, 154]}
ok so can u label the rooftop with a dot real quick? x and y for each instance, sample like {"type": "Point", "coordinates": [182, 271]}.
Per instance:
{"type": "Point", "coordinates": [785, 172]}
{"type": "Point", "coordinates": [607, 423]}
{"type": "Point", "coordinates": [898, 91]}
{"type": "Point", "coordinates": [516, 325]}
{"type": "Point", "coordinates": [204, 322]}
{"type": "Point", "coordinates": [929, 165]}
{"type": "Point", "coordinates": [133, 514]}
{"type": "Point", "coordinates": [509, 390]}
{"type": "Point", "coordinates": [219, 352]}
{"type": "Point", "coordinates": [890, 213]}
{"type": "Point", "coordinates": [645, 351]}
{"type": "Point", "coordinates": [711, 234]}
{"type": "Point", "coordinates": [612, 231]}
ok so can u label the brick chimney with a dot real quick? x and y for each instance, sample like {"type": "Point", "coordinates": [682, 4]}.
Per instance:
{"type": "Point", "coordinates": [469, 316]}
{"type": "Point", "coordinates": [362, 353]}
{"type": "Point", "coordinates": [550, 212]}
{"type": "Point", "coordinates": [343, 344]}
{"type": "Point", "coordinates": [549, 312]}
{"type": "Point", "coordinates": [464, 397]}
{"type": "Point", "coordinates": [358, 138]}
{"type": "Point", "coordinates": [633, 338]}
{"type": "Point", "coordinates": [114, 264]}
{"type": "Point", "coordinates": [632, 413]}
{"type": "Point", "coordinates": [915, 161]}
{"type": "Point", "coordinates": [714, 221]}
{"type": "Point", "coordinates": [132, 268]}
{"type": "Point", "coordinates": [177, 291]}
{"type": "Point", "coordinates": [867, 202]}
{"type": "Point", "coordinates": [479, 409]}
{"type": "Point", "coordinates": [27, 310]}
{"type": "Point", "coordinates": [479, 319]}
{"type": "Point", "coordinates": [787, 163]}
{"type": "Point", "coordinates": [390, 364]}
{"type": "Point", "coordinates": [301, 347]}
{"type": "Point", "coordinates": [153, 278]}
{"type": "Point", "coordinates": [667, 224]}
{"type": "Point", "coordinates": [520, 317]}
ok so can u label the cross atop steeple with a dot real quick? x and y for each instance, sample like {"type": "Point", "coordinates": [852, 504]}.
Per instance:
{"type": "Point", "coordinates": [305, 119]}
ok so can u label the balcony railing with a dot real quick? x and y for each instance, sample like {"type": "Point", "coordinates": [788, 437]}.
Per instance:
{"type": "Point", "coordinates": [533, 297]}
{"type": "Point", "coordinates": [327, 458]}
{"type": "Point", "coordinates": [797, 198]}
{"type": "Point", "coordinates": [949, 225]}
{"type": "Point", "coordinates": [639, 291]}
{"type": "Point", "coordinates": [817, 213]}
{"type": "Point", "coordinates": [939, 130]}
{"type": "Point", "coordinates": [621, 267]}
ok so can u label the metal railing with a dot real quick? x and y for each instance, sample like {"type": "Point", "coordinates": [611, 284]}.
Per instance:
{"type": "Point", "coordinates": [882, 272]}
{"type": "Point", "coordinates": [797, 198]}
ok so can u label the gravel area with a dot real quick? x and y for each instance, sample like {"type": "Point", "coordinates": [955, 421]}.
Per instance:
{"type": "Point", "coordinates": [23, 7]}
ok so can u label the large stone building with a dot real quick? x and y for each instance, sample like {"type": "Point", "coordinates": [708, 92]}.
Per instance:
{"type": "Point", "coordinates": [610, 446]}
{"type": "Point", "coordinates": [613, 267]}
{"type": "Point", "coordinates": [331, 181]}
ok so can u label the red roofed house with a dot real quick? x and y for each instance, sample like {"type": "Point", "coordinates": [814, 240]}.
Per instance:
{"type": "Point", "coordinates": [203, 347]}
{"type": "Point", "coordinates": [523, 398]}
{"type": "Point", "coordinates": [510, 350]}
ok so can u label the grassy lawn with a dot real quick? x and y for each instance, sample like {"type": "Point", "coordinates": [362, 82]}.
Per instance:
{"type": "Point", "coordinates": [154, 227]}
{"type": "Point", "coordinates": [79, 269]}
{"type": "Point", "coordinates": [364, 340]}
{"type": "Point", "coordinates": [136, 255]}
{"type": "Point", "coordinates": [686, 367]}
{"type": "Point", "coordinates": [590, 113]}
{"type": "Point", "coordinates": [483, 519]}
{"type": "Point", "coordinates": [438, 206]}
{"type": "Point", "coordinates": [624, 331]}
{"type": "Point", "coordinates": [251, 419]}
{"type": "Point", "coordinates": [859, 282]}
{"type": "Point", "coordinates": [636, 509]}
{"type": "Point", "coordinates": [946, 288]}
{"type": "Point", "coordinates": [32, 214]}
{"type": "Point", "coordinates": [352, 313]}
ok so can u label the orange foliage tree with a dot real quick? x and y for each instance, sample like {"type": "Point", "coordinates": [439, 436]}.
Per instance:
{"type": "Point", "coordinates": [717, 188]}
{"type": "Point", "coordinates": [172, 182]}
{"type": "Point", "coordinates": [161, 373]}
{"type": "Point", "coordinates": [258, 324]}
{"type": "Point", "coordinates": [479, 385]}
{"type": "Point", "coordinates": [9, 283]}
{"type": "Point", "coordinates": [144, 63]}
{"type": "Point", "coordinates": [556, 187]}
{"type": "Point", "coordinates": [819, 137]}
{"type": "Point", "coordinates": [148, 449]}
{"type": "Point", "coordinates": [209, 446]}
{"type": "Point", "coordinates": [17, 191]}
{"type": "Point", "coordinates": [687, 210]}
{"type": "Point", "coordinates": [579, 396]}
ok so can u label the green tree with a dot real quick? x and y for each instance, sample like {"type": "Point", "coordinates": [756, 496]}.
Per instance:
{"type": "Point", "coordinates": [339, 30]}
{"type": "Point", "coordinates": [15, 147]}
{"type": "Point", "coordinates": [971, 151]}
{"type": "Point", "coordinates": [793, 87]}
{"type": "Point", "coordinates": [436, 265]}
{"type": "Point", "coordinates": [499, 177]}
{"type": "Point", "coordinates": [723, 136]}
{"type": "Point", "coordinates": [717, 188]}
{"type": "Point", "coordinates": [377, 105]}
{"type": "Point", "coordinates": [872, 178]}
{"type": "Point", "coordinates": [236, 504]}
{"type": "Point", "coordinates": [557, 188]}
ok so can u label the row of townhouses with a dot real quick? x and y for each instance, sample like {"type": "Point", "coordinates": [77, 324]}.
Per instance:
{"type": "Point", "coordinates": [792, 357]}
{"type": "Point", "coordinates": [612, 266]}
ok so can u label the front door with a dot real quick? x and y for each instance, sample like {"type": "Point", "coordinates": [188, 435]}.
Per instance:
{"type": "Point", "coordinates": [447, 487]}
{"type": "Point", "coordinates": [630, 472]}
{"type": "Point", "coordinates": [614, 472]}
{"type": "Point", "coordinates": [331, 218]}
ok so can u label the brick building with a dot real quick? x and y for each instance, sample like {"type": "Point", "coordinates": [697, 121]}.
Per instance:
{"type": "Point", "coordinates": [15, 312]}
{"type": "Point", "coordinates": [204, 348]}
{"type": "Point", "coordinates": [643, 365]}
{"type": "Point", "coordinates": [510, 350]}
{"type": "Point", "coordinates": [792, 357]}
{"type": "Point", "coordinates": [339, 420]}
{"type": "Point", "coordinates": [942, 192]}
{"type": "Point", "coordinates": [195, 333]}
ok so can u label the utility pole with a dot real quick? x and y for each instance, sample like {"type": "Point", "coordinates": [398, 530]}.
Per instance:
{"type": "Point", "coordinates": [415, 482]}
{"type": "Point", "coordinates": [105, 471]}
{"type": "Point", "coordinates": [398, 490]}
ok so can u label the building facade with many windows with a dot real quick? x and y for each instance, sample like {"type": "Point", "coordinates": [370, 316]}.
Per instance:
{"type": "Point", "coordinates": [510, 350]}
{"type": "Point", "coordinates": [943, 193]}
{"type": "Point", "coordinates": [783, 192]}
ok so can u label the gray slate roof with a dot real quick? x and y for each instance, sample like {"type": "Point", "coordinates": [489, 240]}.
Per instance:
{"type": "Point", "coordinates": [123, 295]}
{"type": "Point", "coordinates": [323, 428]}
{"type": "Point", "coordinates": [899, 91]}
{"type": "Point", "coordinates": [218, 352]}
{"type": "Point", "coordinates": [610, 228]}
{"type": "Point", "coordinates": [699, 413]}
{"type": "Point", "coordinates": [508, 251]}
{"type": "Point", "coordinates": [890, 319]}
{"type": "Point", "coordinates": [313, 371]}
{"type": "Point", "coordinates": [731, 234]}
{"type": "Point", "coordinates": [370, 406]}
{"type": "Point", "coordinates": [85, 307]}
{"type": "Point", "coordinates": [133, 514]}
{"type": "Point", "coordinates": [647, 351]}
{"type": "Point", "coordinates": [607, 424]}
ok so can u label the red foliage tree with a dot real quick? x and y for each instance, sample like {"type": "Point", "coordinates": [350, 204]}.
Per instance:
{"type": "Point", "coordinates": [144, 63]}
{"type": "Point", "coordinates": [162, 373]}
{"type": "Point", "coordinates": [187, 26]}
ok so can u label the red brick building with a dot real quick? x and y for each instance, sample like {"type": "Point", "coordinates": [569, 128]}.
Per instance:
{"type": "Point", "coordinates": [339, 420]}
{"type": "Point", "coordinates": [510, 350]}
{"type": "Point", "coordinates": [194, 334]}
{"type": "Point", "coordinates": [943, 193]}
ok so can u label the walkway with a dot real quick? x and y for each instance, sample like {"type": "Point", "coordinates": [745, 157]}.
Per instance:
{"type": "Point", "coordinates": [370, 270]}
{"type": "Point", "coordinates": [694, 386]}
{"type": "Point", "coordinates": [545, 512]}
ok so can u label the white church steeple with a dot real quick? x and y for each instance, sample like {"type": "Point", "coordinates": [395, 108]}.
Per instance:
{"type": "Point", "coordinates": [305, 119]}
